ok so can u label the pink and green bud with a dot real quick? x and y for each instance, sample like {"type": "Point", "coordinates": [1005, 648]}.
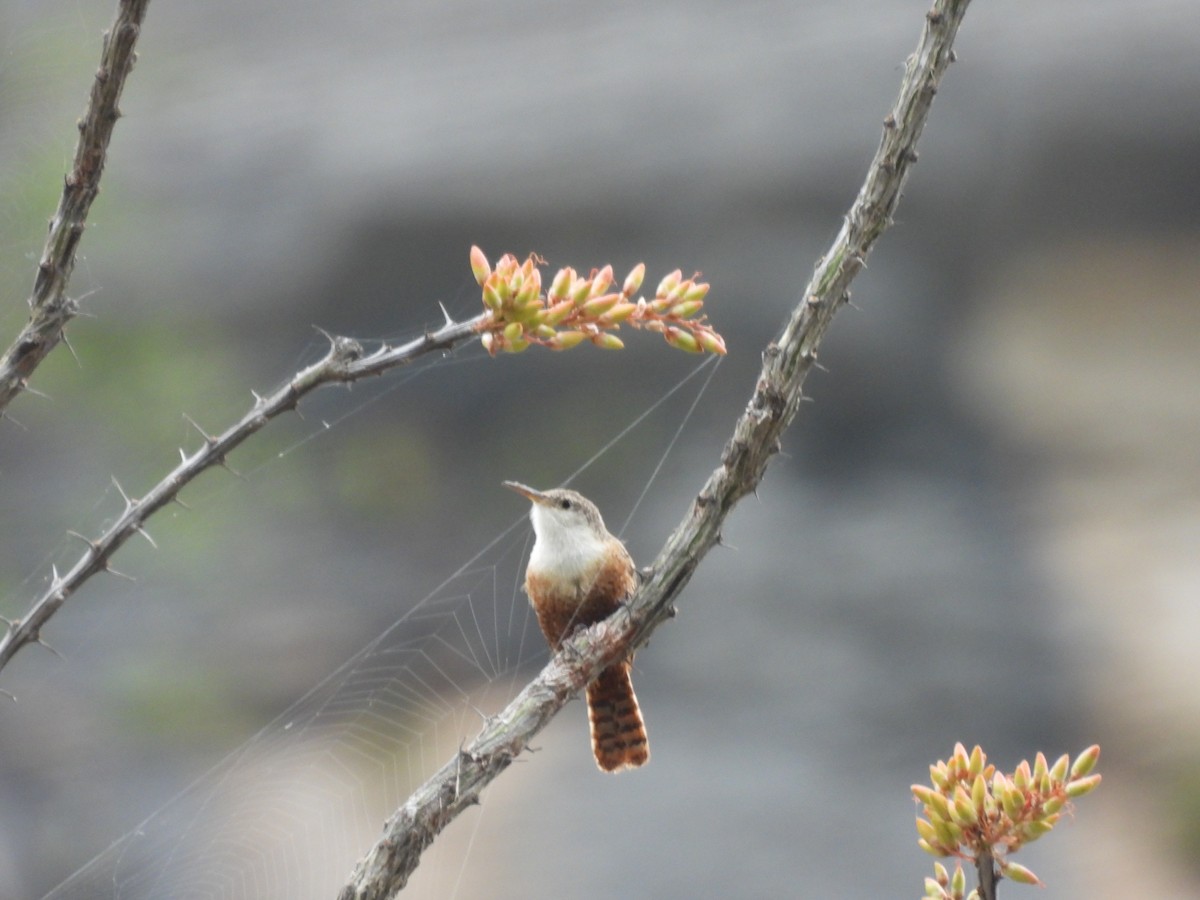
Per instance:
{"type": "Point", "coordinates": [938, 776]}
{"type": "Point", "coordinates": [1040, 769]}
{"type": "Point", "coordinates": [601, 280]}
{"type": "Point", "coordinates": [1053, 805]}
{"type": "Point", "coordinates": [619, 313]}
{"type": "Point", "coordinates": [926, 831]}
{"type": "Point", "coordinates": [598, 306]}
{"type": "Point", "coordinates": [545, 332]}
{"type": "Point", "coordinates": [1081, 786]}
{"type": "Point", "coordinates": [1031, 831]}
{"type": "Point", "coordinates": [561, 285]}
{"type": "Point", "coordinates": [958, 884]}
{"type": "Point", "coordinates": [1086, 761]}
{"type": "Point", "coordinates": [697, 290]}
{"type": "Point", "coordinates": [606, 341]}
{"type": "Point", "coordinates": [977, 761]}
{"type": "Point", "coordinates": [1013, 802]}
{"type": "Point", "coordinates": [633, 281]}
{"type": "Point", "coordinates": [1061, 767]}
{"type": "Point", "coordinates": [668, 284]}
{"type": "Point", "coordinates": [925, 794]}
{"type": "Point", "coordinates": [515, 282]}
{"type": "Point", "coordinates": [506, 267]}
{"type": "Point", "coordinates": [513, 331]}
{"type": "Point", "coordinates": [479, 265]}
{"type": "Point", "coordinates": [930, 848]}
{"type": "Point", "coordinates": [565, 340]}
{"type": "Point", "coordinates": [1021, 776]}
{"type": "Point", "coordinates": [491, 297]}
{"type": "Point", "coordinates": [489, 342]}
{"type": "Point", "coordinates": [963, 811]}
{"type": "Point", "coordinates": [503, 289]}
{"type": "Point", "coordinates": [682, 340]}
{"type": "Point", "coordinates": [520, 345]}
{"type": "Point", "coordinates": [660, 305]}
{"type": "Point", "coordinates": [581, 289]}
{"type": "Point", "coordinates": [948, 833]}
{"type": "Point", "coordinates": [979, 792]}
{"type": "Point", "coordinates": [938, 804]}
{"type": "Point", "coordinates": [687, 309]}
{"type": "Point", "coordinates": [1018, 873]}
{"type": "Point", "coordinates": [530, 293]}
{"type": "Point", "coordinates": [557, 313]}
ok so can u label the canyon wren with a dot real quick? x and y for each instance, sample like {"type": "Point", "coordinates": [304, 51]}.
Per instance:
{"type": "Point", "coordinates": [578, 574]}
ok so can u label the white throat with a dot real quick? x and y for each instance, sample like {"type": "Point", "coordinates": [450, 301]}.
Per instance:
{"type": "Point", "coordinates": [564, 545]}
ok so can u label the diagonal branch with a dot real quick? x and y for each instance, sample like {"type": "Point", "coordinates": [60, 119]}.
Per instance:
{"type": "Point", "coordinates": [345, 362]}
{"type": "Point", "coordinates": [50, 307]}
{"type": "Point", "coordinates": [384, 871]}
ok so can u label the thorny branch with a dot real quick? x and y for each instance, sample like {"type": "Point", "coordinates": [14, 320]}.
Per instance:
{"type": "Point", "coordinates": [50, 309]}
{"type": "Point", "coordinates": [345, 362]}
{"type": "Point", "coordinates": [384, 871]}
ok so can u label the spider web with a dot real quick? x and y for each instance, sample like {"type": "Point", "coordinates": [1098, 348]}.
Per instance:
{"type": "Point", "coordinates": [289, 812]}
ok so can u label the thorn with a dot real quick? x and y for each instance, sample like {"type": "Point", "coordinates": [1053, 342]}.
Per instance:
{"type": "Point", "coordinates": [208, 438]}
{"type": "Point", "coordinates": [38, 639]}
{"type": "Point", "coordinates": [224, 464]}
{"type": "Point", "coordinates": [63, 337]}
{"type": "Point", "coordinates": [721, 543]}
{"type": "Point", "coordinates": [329, 337]}
{"type": "Point", "coordinates": [176, 499]}
{"type": "Point", "coordinates": [12, 697]}
{"type": "Point", "coordinates": [182, 455]}
{"type": "Point", "coordinates": [121, 491]}
{"type": "Point", "coordinates": [672, 611]}
{"type": "Point", "coordinates": [111, 571]}
{"type": "Point", "coordinates": [144, 533]}
{"type": "Point", "coordinates": [25, 386]}
{"type": "Point", "coordinates": [258, 401]}
{"type": "Point", "coordinates": [4, 415]}
{"type": "Point", "coordinates": [76, 310]}
{"type": "Point", "coordinates": [87, 540]}
{"type": "Point", "coordinates": [449, 321]}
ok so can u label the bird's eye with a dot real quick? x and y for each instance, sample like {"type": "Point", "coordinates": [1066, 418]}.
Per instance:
{"type": "Point", "coordinates": [564, 503]}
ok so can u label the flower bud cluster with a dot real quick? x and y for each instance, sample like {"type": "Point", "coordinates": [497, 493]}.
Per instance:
{"type": "Point", "coordinates": [971, 808]}
{"type": "Point", "coordinates": [575, 309]}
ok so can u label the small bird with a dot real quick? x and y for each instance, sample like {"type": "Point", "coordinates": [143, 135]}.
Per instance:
{"type": "Point", "coordinates": [578, 574]}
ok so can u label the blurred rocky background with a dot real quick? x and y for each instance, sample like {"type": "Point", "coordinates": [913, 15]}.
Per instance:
{"type": "Point", "coordinates": [984, 528]}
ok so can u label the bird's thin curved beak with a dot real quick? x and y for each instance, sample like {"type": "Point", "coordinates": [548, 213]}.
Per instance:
{"type": "Point", "coordinates": [527, 492]}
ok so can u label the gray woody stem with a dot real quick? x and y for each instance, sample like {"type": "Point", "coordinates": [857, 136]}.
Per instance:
{"type": "Point", "coordinates": [50, 309]}
{"type": "Point", "coordinates": [985, 867]}
{"type": "Point", "coordinates": [345, 362]}
{"type": "Point", "coordinates": [387, 866]}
